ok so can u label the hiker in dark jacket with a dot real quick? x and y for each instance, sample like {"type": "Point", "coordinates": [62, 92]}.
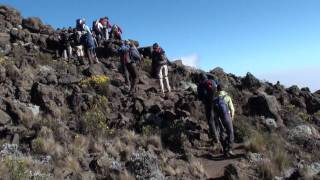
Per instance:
{"type": "Point", "coordinates": [223, 112]}
{"type": "Point", "coordinates": [90, 46]}
{"type": "Point", "coordinates": [124, 59]}
{"type": "Point", "coordinates": [206, 91]}
{"type": "Point", "coordinates": [159, 66]}
{"type": "Point", "coordinates": [65, 45]}
{"type": "Point", "coordinates": [135, 58]}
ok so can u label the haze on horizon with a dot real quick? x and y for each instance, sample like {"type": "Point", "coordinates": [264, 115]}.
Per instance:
{"type": "Point", "coordinates": [272, 39]}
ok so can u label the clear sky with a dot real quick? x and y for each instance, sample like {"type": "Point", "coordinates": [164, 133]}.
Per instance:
{"type": "Point", "coordinates": [273, 39]}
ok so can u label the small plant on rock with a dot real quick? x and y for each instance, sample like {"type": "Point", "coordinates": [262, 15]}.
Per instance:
{"type": "Point", "coordinates": [95, 120]}
{"type": "Point", "coordinates": [98, 83]}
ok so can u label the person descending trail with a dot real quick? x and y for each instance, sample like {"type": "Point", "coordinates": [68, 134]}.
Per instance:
{"type": "Point", "coordinates": [206, 91]}
{"type": "Point", "coordinates": [224, 113]}
{"type": "Point", "coordinates": [159, 66]}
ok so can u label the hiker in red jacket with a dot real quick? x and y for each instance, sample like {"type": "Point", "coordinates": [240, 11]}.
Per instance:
{"type": "Point", "coordinates": [116, 32]}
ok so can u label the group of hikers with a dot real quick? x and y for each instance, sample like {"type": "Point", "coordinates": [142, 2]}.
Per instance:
{"type": "Point", "coordinates": [218, 104]}
{"type": "Point", "coordinates": [82, 40]}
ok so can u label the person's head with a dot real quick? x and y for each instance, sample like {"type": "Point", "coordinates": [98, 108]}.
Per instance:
{"type": "Point", "coordinates": [122, 43]}
{"type": "Point", "coordinates": [220, 87]}
{"type": "Point", "coordinates": [155, 46]}
{"type": "Point", "coordinates": [203, 76]}
{"type": "Point", "coordinates": [126, 42]}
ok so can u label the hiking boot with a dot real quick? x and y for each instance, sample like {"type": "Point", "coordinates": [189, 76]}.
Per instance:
{"type": "Point", "coordinates": [229, 154]}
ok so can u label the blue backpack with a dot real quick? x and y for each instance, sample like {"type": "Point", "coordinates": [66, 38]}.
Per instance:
{"type": "Point", "coordinates": [220, 105]}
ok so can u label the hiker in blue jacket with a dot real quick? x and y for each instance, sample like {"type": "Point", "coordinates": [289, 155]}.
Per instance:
{"type": "Point", "coordinates": [206, 91]}
{"type": "Point", "coordinates": [88, 41]}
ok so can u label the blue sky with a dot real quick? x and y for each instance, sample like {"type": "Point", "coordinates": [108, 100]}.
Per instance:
{"type": "Point", "coordinates": [273, 39]}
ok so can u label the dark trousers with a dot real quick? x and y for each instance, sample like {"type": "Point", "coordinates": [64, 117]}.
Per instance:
{"type": "Point", "coordinates": [212, 123]}
{"type": "Point", "coordinates": [226, 133]}
{"type": "Point", "coordinates": [133, 72]}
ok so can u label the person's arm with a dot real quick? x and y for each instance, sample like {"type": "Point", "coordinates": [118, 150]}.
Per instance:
{"type": "Point", "coordinates": [231, 107]}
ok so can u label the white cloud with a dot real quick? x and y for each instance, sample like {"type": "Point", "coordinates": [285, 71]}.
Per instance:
{"type": "Point", "coordinates": [191, 60]}
{"type": "Point", "coordinates": [303, 77]}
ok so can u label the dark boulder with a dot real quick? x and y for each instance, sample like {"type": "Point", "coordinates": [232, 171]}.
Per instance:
{"type": "Point", "coordinates": [250, 82]}
{"type": "Point", "coordinates": [264, 105]}
{"type": "Point", "coordinates": [33, 24]}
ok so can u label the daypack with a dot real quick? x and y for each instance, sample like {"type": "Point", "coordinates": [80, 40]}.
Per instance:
{"type": "Point", "coordinates": [134, 55]}
{"type": "Point", "coordinates": [220, 105]}
{"type": "Point", "coordinates": [207, 90]}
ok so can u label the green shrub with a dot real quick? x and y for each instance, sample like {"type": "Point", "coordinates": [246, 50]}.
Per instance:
{"type": "Point", "coordinates": [95, 120]}
{"type": "Point", "coordinates": [17, 168]}
{"type": "Point", "coordinates": [265, 170]}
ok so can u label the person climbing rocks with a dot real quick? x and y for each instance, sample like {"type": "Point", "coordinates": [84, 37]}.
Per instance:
{"type": "Point", "coordinates": [105, 27]}
{"type": "Point", "coordinates": [82, 26]}
{"type": "Point", "coordinates": [66, 50]}
{"type": "Point", "coordinates": [97, 28]}
{"type": "Point", "coordinates": [124, 59]}
{"type": "Point", "coordinates": [207, 88]}
{"type": "Point", "coordinates": [116, 32]}
{"type": "Point", "coordinates": [159, 66]}
{"type": "Point", "coordinates": [87, 41]}
{"type": "Point", "coordinates": [224, 112]}
{"type": "Point", "coordinates": [76, 44]}
{"type": "Point", "coordinates": [134, 58]}
{"type": "Point", "coordinates": [134, 53]}
{"type": "Point", "coordinates": [227, 99]}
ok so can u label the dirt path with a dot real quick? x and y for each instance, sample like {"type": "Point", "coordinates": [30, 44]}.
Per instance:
{"type": "Point", "coordinates": [214, 164]}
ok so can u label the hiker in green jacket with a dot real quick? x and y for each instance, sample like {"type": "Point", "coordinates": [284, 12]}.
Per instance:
{"type": "Point", "coordinates": [227, 99]}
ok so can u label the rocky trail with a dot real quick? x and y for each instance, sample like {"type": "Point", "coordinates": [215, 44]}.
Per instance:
{"type": "Point", "coordinates": [69, 120]}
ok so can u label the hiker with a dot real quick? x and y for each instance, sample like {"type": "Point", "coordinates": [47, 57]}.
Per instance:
{"type": "Point", "coordinates": [65, 45]}
{"type": "Point", "coordinates": [81, 26]}
{"type": "Point", "coordinates": [135, 58]}
{"type": "Point", "coordinates": [105, 27]}
{"type": "Point", "coordinates": [124, 59]}
{"type": "Point", "coordinates": [134, 53]}
{"type": "Point", "coordinates": [159, 66]}
{"type": "Point", "coordinates": [116, 32]}
{"type": "Point", "coordinates": [129, 57]}
{"type": "Point", "coordinates": [88, 42]}
{"type": "Point", "coordinates": [206, 91]}
{"type": "Point", "coordinates": [76, 43]}
{"type": "Point", "coordinates": [97, 28]}
{"type": "Point", "coordinates": [224, 113]}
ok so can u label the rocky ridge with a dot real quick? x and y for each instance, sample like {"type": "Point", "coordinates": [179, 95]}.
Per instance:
{"type": "Point", "coordinates": [63, 120]}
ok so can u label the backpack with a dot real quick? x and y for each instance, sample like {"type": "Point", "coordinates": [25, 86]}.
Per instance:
{"type": "Point", "coordinates": [207, 89]}
{"type": "Point", "coordinates": [220, 105]}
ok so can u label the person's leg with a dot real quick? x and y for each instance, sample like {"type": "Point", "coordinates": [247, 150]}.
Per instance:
{"type": "Point", "coordinates": [69, 51]}
{"type": "Point", "coordinates": [166, 77]}
{"type": "Point", "coordinates": [64, 54]}
{"type": "Point", "coordinates": [227, 124]}
{"type": "Point", "coordinates": [161, 79]}
{"type": "Point", "coordinates": [126, 74]}
{"type": "Point", "coordinates": [133, 74]}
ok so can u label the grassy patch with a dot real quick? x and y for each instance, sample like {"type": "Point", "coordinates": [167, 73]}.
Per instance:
{"type": "Point", "coordinates": [95, 120]}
